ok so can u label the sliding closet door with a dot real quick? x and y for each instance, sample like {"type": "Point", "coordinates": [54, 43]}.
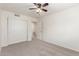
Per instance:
{"type": "Point", "coordinates": [17, 30]}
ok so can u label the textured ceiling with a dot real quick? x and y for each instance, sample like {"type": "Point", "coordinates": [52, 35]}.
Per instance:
{"type": "Point", "coordinates": [24, 8]}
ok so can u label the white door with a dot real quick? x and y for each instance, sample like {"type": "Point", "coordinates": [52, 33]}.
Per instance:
{"type": "Point", "coordinates": [17, 30]}
{"type": "Point", "coordinates": [30, 30]}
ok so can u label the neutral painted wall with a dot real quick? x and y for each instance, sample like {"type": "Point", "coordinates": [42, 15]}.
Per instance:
{"type": "Point", "coordinates": [62, 28]}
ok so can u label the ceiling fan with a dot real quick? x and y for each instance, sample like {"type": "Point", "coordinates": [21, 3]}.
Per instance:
{"type": "Point", "coordinates": [40, 7]}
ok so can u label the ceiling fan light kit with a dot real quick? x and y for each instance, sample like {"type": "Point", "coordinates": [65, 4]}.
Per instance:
{"type": "Point", "coordinates": [39, 7]}
{"type": "Point", "coordinates": [38, 10]}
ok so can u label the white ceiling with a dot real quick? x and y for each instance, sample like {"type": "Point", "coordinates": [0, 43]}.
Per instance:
{"type": "Point", "coordinates": [24, 8]}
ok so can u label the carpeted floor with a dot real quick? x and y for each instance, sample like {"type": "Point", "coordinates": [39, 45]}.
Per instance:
{"type": "Point", "coordinates": [36, 48]}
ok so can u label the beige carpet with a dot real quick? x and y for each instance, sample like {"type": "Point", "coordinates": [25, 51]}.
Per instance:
{"type": "Point", "coordinates": [36, 48]}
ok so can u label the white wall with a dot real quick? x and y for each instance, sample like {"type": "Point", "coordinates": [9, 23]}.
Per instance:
{"type": "Point", "coordinates": [62, 28]}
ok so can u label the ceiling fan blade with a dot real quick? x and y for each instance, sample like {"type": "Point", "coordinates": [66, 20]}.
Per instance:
{"type": "Point", "coordinates": [44, 10]}
{"type": "Point", "coordinates": [32, 8]}
{"type": "Point", "coordinates": [39, 5]}
{"type": "Point", "coordinates": [46, 4]}
{"type": "Point", "coordinates": [35, 3]}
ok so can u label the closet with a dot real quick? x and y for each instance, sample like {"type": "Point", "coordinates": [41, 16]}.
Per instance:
{"type": "Point", "coordinates": [15, 28]}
